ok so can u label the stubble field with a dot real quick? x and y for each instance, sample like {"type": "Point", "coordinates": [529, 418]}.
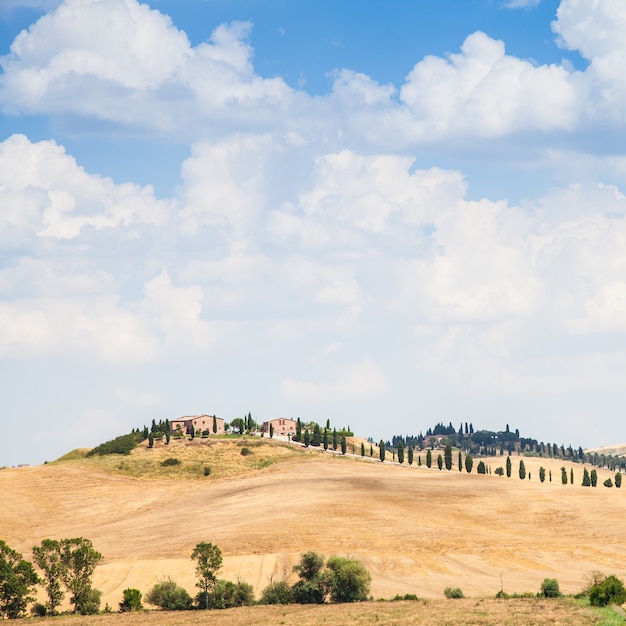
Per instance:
{"type": "Point", "coordinates": [417, 530]}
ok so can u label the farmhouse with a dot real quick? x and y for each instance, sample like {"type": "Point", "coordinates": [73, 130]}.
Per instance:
{"type": "Point", "coordinates": [200, 423]}
{"type": "Point", "coordinates": [282, 426]}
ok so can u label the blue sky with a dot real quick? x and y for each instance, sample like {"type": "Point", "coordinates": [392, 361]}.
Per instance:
{"type": "Point", "coordinates": [388, 217]}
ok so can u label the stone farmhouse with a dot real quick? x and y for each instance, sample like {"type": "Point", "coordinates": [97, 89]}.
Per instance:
{"type": "Point", "coordinates": [282, 426]}
{"type": "Point", "coordinates": [200, 423]}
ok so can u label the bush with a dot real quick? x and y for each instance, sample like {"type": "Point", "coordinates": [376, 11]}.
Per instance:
{"type": "Point", "coordinates": [609, 591]}
{"type": "Point", "coordinates": [169, 596]}
{"type": "Point", "coordinates": [38, 610]}
{"type": "Point", "coordinates": [90, 602]}
{"type": "Point", "coordinates": [348, 580]}
{"type": "Point", "coordinates": [120, 445]}
{"type": "Point", "coordinates": [277, 593]}
{"type": "Point", "coordinates": [246, 452]}
{"type": "Point", "coordinates": [226, 595]}
{"type": "Point", "coordinates": [170, 462]}
{"type": "Point", "coordinates": [550, 588]}
{"type": "Point", "coordinates": [453, 593]}
{"type": "Point", "coordinates": [207, 470]}
{"type": "Point", "coordinates": [608, 483]}
{"type": "Point", "coordinates": [131, 601]}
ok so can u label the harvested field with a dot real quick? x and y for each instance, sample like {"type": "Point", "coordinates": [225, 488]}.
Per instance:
{"type": "Point", "coordinates": [417, 530]}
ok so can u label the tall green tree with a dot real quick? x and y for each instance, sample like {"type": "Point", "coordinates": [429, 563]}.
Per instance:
{"type": "Point", "coordinates": [618, 480]}
{"type": "Point", "coordinates": [381, 450]}
{"type": "Point", "coordinates": [447, 455]}
{"type": "Point", "coordinates": [17, 582]}
{"type": "Point", "coordinates": [563, 476]}
{"type": "Point", "coordinates": [586, 478]}
{"type": "Point", "coordinates": [325, 438]}
{"type": "Point", "coordinates": [298, 435]}
{"type": "Point", "coordinates": [311, 588]}
{"type": "Point", "coordinates": [469, 463]}
{"type": "Point", "coordinates": [542, 474]}
{"type": "Point", "coordinates": [522, 469]}
{"type": "Point", "coordinates": [208, 558]}
{"type": "Point", "coordinates": [47, 557]}
{"type": "Point", "coordinates": [335, 439]}
{"type": "Point", "coordinates": [343, 444]}
{"type": "Point", "coordinates": [79, 559]}
{"type": "Point", "coordinates": [460, 462]}
{"type": "Point", "coordinates": [508, 467]}
{"type": "Point", "coordinates": [271, 430]}
{"type": "Point", "coordinates": [571, 475]}
{"type": "Point", "coordinates": [362, 449]}
{"type": "Point", "coordinates": [439, 462]}
{"type": "Point", "coordinates": [429, 458]}
{"type": "Point", "coordinates": [316, 439]}
{"type": "Point", "coordinates": [594, 478]}
{"type": "Point", "coordinates": [307, 438]}
{"type": "Point", "coordinates": [410, 455]}
{"type": "Point", "coordinates": [214, 424]}
{"type": "Point", "coordinates": [400, 452]}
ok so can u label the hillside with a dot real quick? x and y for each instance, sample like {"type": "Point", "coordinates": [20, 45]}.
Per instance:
{"type": "Point", "coordinates": [417, 530]}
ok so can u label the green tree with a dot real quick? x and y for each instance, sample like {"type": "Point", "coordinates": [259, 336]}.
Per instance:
{"type": "Point", "coordinates": [571, 475]}
{"type": "Point", "coordinates": [316, 439]}
{"type": "Point", "coordinates": [550, 588]}
{"type": "Point", "coordinates": [522, 469]}
{"type": "Point", "coordinates": [508, 467]}
{"type": "Point", "coordinates": [429, 458]}
{"type": "Point", "coordinates": [343, 444]}
{"type": "Point", "coordinates": [277, 593]}
{"type": "Point", "coordinates": [325, 438]}
{"type": "Point", "coordinates": [131, 600]}
{"type": "Point", "coordinates": [594, 478]}
{"type": "Point", "coordinates": [447, 455]}
{"type": "Point", "coordinates": [381, 450]}
{"type": "Point", "coordinates": [271, 430]}
{"type": "Point", "coordinates": [542, 474]}
{"type": "Point", "coordinates": [460, 462]}
{"type": "Point", "coordinates": [335, 439]}
{"type": "Point", "coordinates": [151, 440]}
{"type": "Point", "coordinates": [400, 452]}
{"type": "Point", "coordinates": [311, 588]}
{"type": "Point", "coordinates": [169, 596]}
{"type": "Point", "coordinates": [608, 591]}
{"type": "Point", "coordinates": [193, 431]}
{"type": "Point", "coordinates": [215, 424]}
{"type": "Point", "coordinates": [348, 580]}
{"type": "Point", "coordinates": [307, 438]}
{"type": "Point", "coordinates": [482, 468]}
{"type": "Point", "coordinates": [298, 435]}
{"type": "Point", "coordinates": [362, 449]}
{"type": "Point", "coordinates": [226, 595]}
{"type": "Point", "coordinates": [586, 479]}
{"type": "Point", "coordinates": [17, 582]}
{"type": "Point", "coordinates": [79, 560]}
{"type": "Point", "coordinates": [410, 455]}
{"type": "Point", "coordinates": [563, 476]}
{"type": "Point", "coordinates": [439, 462]}
{"type": "Point", "coordinates": [208, 558]}
{"type": "Point", "coordinates": [469, 463]}
{"type": "Point", "coordinates": [618, 480]}
{"type": "Point", "coordinates": [47, 557]}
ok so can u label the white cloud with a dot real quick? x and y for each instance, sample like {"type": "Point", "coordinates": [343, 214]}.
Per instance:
{"type": "Point", "coordinates": [361, 381]}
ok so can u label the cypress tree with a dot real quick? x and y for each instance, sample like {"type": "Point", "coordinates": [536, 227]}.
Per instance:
{"type": "Point", "coordinates": [316, 439]}
{"type": "Point", "coordinates": [522, 469]}
{"type": "Point", "coordinates": [325, 438]}
{"type": "Point", "coordinates": [335, 441]}
{"type": "Point", "coordinates": [381, 450]}
{"type": "Point", "coordinates": [362, 449]}
{"type": "Point", "coordinates": [307, 438]}
{"type": "Point", "coordinates": [214, 424]}
{"type": "Point", "coordinates": [419, 460]}
{"type": "Point", "coordinates": [460, 462]}
{"type": "Point", "coordinates": [371, 450]}
{"type": "Point", "coordinates": [343, 444]}
{"type": "Point", "coordinates": [586, 479]}
{"type": "Point", "coordinates": [508, 467]}
{"type": "Point", "coordinates": [410, 454]}
{"type": "Point", "coordinates": [298, 435]}
{"type": "Point", "coordinates": [571, 475]}
{"type": "Point", "coordinates": [594, 478]}
{"type": "Point", "coordinates": [542, 474]}
{"type": "Point", "coordinates": [439, 462]}
{"type": "Point", "coordinates": [618, 480]}
{"type": "Point", "coordinates": [563, 476]}
{"type": "Point", "coordinates": [429, 459]}
{"type": "Point", "coordinates": [193, 432]}
{"type": "Point", "coordinates": [469, 463]}
{"type": "Point", "coordinates": [400, 452]}
{"type": "Point", "coordinates": [448, 457]}
{"type": "Point", "coordinates": [271, 430]}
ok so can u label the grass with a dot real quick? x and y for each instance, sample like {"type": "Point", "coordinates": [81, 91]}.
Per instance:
{"type": "Point", "coordinates": [465, 612]}
{"type": "Point", "coordinates": [227, 457]}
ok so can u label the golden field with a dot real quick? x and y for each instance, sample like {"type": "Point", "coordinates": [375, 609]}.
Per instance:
{"type": "Point", "coordinates": [417, 530]}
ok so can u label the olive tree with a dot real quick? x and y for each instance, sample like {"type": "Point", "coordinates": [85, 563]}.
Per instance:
{"type": "Point", "coordinates": [348, 580]}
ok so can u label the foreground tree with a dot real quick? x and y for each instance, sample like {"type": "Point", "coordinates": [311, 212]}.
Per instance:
{"type": "Point", "coordinates": [508, 467]}
{"type": "Point", "coordinates": [348, 580]}
{"type": "Point", "coordinates": [400, 452]}
{"type": "Point", "coordinates": [311, 588]}
{"type": "Point", "coordinates": [550, 588]}
{"type": "Point", "coordinates": [563, 476]}
{"type": "Point", "coordinates": [381, 450]}
{"type": "Point", "coordinates": [469, 463]}
{"type": "Point", "coordinates": [439, 462]}
{"type": "Point", "coordinates": [208, 559]}
{"type": "Point", "coordinates": [594, 478]}
{"type": "Point", "coordinates": [586, 478]}
{"type": "Point", "coordinates": [447, 454]}
{"type": "Point", "coordinates": [618, 480]}
{"type": "Point", "coordinates": [522, 470]}
{"type": "Point", "coordinates": [277, 593]}
{"type": "Point", "coordinates": [17, 581]}
{"type": "Point", "coordinates": [47, 557]}
{"type": "Point", "coordinates": [608, 591]}
{"type": "Point", "coordinates": [131, 601]}
{"type": "Point", "coordinates": [79, 559]}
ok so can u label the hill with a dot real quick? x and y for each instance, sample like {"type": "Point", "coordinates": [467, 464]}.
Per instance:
{"type": "Point", "coordinates": [417, 530]}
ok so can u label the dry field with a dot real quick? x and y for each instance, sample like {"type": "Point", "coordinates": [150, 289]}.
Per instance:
{"type": "Point", "coordinates": [417, 530]}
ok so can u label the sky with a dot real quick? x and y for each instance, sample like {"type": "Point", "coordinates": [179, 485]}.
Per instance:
{"type": "Point", "coordinates": [387, 214]}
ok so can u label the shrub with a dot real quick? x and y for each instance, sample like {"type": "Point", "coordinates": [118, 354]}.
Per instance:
{"type": "Point", "coordinates": [348, 580]}
{"type": "Point", "coordinates": [169, 596]}
{"type": "Point", "coordinates": [90, 602]}
{"type": "Point", "coordinates": [277, 593]}
{"type": "Point", "coordinates": [608, 483]}
{"type": "Point", "coordinates": [207, 470]}
{"type": "Point", "coordinates": [38, 610]}
{"type": "Point", "coordinates": [550, 588]}
{"type": "Point", "coordinates": [170, 462]}
{"type": "Point", "coordinates": [454, 593]}
{"type": "Point", "coordinates": [131, 601]}
{"type": "Point", "coordinates": [226, 595]}
{"type": "Point", "coordinates": [120, 445]}
{"type": "Point", "coordinates": [609, 591]}
{"type": "Point", "coordinates": [499, 471]}
{"type": "Point", "coordinates": [246, 452]}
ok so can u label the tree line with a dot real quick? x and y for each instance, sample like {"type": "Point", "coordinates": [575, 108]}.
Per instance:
{"type": "Point", "coordinates": [68, 565]}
